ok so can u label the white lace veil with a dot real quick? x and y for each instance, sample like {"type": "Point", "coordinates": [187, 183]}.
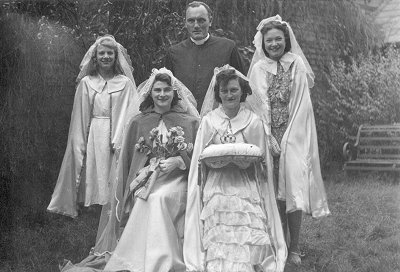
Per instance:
{"type": "Point", "coordinates": [295, 47]}
{"type": "Point", "coordinates": [123, 61]}
{"type": "Point", "coordinates": [187, 102]}
{"type": "Point", "coordinates": [253, 101]}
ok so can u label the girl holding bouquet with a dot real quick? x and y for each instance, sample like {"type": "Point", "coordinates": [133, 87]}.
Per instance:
{"type": "Point", "coordinates": [151, 180]}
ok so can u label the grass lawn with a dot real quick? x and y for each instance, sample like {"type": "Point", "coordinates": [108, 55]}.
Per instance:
{"type": "Point", "coordinates": [362, 234]}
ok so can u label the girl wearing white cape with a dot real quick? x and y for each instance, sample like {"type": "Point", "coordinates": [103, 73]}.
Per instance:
{"type": "Point", "coordinates": [282, 75]}
{"type": "Point", "coordinates": [153, 218]}
{"type": "Point", "coordinates": [232, 223]}
{"type": "Point", "coordinates": [105, 90]}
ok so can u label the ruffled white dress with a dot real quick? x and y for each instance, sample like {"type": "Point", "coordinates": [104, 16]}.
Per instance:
{"type": "Point", "coordinates": [235, 236]}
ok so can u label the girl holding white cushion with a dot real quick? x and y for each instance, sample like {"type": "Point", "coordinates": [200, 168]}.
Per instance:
{"type": "Point", "coordinates": [232, 222]}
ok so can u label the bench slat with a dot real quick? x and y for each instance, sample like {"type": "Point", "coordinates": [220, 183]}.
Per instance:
{"type": "Point", "coordinates": [379, 146]}
{"type": "Point", "coordinates": [393, 129]}
{"type": "Point", "coordinates": [377, 156]}
{"type": "Point", "coordinates": [374, 138]}
{"type": "Point", "coordinates": [379, 165]}
{"type": "Point", "coordinates": [374, 161]}
{"type": "Point", "coordinates": [372, 168]}
{"type": "Point", "coordinates": [394, 126]}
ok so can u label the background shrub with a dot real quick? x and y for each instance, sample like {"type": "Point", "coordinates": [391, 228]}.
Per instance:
{"type": "Point", "coordinates": [364, 91]}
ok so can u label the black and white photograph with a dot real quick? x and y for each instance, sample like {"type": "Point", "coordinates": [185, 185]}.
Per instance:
{"type": "Point", "coordinates": [200, 136]}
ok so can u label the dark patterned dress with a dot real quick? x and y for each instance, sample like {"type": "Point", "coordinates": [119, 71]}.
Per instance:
{"type": "Point", "coordinates": [279, 97]}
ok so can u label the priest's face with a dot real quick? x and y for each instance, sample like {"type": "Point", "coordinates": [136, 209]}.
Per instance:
{"type": "Point", "coordinates": [162, 95]}
{"type": "Point", "coordinates": [197, 22]}
{"type": "Point", "coordinates": [230, 94]}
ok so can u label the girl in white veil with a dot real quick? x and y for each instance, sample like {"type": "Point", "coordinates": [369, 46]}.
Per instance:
{"type": "Point", "coordinates": [295, 48]}
{"type": "Point", "coordinates": [152, 215]}
{"type": "Point", "coordinates": [105, 91]}
{"type": "Point", "coordinates": [282, 75]}
{"type": "Point", "coordinates": [239, 193]}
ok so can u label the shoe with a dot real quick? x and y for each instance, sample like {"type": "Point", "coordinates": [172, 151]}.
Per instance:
{"type": "Point", "coordinates": [294, 258]}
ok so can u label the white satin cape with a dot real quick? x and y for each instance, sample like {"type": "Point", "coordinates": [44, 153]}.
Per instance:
{"type": "Point", "coordinates": [300, 179]}
{"type": "Point", "coordinates": [122, 92]}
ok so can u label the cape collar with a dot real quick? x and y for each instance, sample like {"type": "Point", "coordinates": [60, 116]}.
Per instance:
{"type": "Point", "coordinates": [239, 122]}
{"type": "Point", "coordinates": [286, 60]}
{"type": "Point", "coordinates": [98, 84]}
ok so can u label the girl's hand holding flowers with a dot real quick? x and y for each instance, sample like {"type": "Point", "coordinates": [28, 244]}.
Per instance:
{"type": "Point", "coordinates": [170, 164]}
{"type": "Point", "coordinates": [164, 148]}
{"type": "Point", "coordinates": [164, 152]}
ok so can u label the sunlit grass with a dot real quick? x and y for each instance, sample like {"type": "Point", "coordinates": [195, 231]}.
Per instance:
{"type": "Point", "coordinates": [362, 234]}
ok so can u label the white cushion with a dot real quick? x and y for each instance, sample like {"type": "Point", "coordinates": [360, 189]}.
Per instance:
{"type": "Point", "coordinates": [240, 154]}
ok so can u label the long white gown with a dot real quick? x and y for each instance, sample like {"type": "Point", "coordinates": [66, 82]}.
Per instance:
{"type": "Point", "coordinates": [238, 228]}
{"type": "Point", "coordinates": [98, 153]}
{"type": "Point", "coordinates": [98, 117]}
{"type": "Point", "coordinates": [152, 239]}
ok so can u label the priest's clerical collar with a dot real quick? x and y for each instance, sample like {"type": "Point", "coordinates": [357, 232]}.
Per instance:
{"type": "Point", "coordinates": [202, 41]}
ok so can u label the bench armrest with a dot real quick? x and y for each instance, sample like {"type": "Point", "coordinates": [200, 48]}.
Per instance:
{"type": "Point", "coordinates": [349, 151]}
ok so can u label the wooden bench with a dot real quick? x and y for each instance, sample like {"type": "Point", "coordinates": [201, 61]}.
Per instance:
{"type": "Point", "coordinates": [376, 148]}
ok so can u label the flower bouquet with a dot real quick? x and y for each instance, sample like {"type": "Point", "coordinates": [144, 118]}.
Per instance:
{"type": "Point", "coordinates": [161, 147]}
